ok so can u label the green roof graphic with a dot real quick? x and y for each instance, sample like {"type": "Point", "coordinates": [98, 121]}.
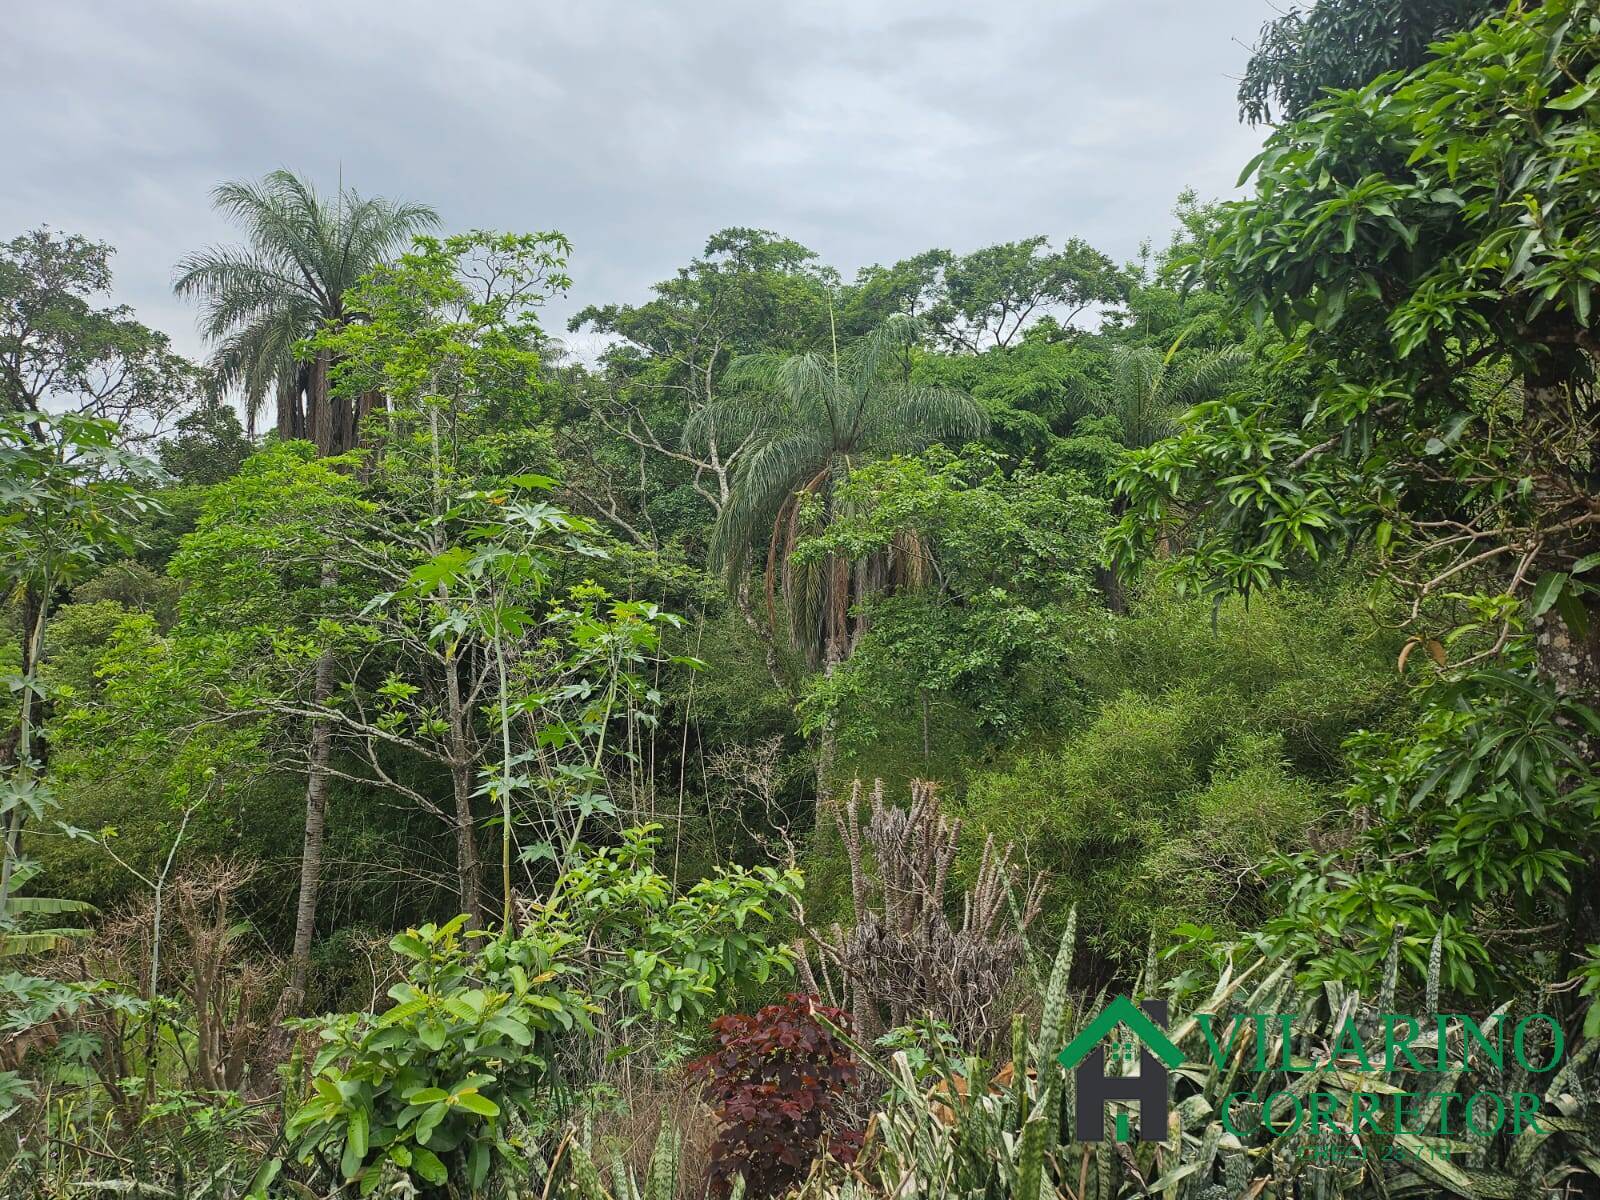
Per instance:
{"type": "Point", "coordinates": [1121, 1011]}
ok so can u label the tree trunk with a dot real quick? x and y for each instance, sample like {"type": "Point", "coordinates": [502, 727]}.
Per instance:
{"type": "Point", "coordinates": [1569, 662]}
{"type": "Point", "coordinates": [1106, 579]}
{"type": "Point", "coordinates": [317, 781]}
{"type": "Point", "coordinates": [319, 408]}
{"type": "Point", "coordinates": [469, 870]}
{"type": "Point", "coordinates": [827, 746]}
{"type": "Point", "coordinates": [291, 410]}
{"type": "Point", "coordinates": [24, 751]}
{"type": "Point", "coordinates": [342, 418]}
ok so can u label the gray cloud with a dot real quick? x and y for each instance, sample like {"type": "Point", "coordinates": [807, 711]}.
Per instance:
{"type": "Point", "coordinates": [868, 130]}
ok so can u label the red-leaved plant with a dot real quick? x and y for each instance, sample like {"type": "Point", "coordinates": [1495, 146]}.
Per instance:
{"type": "Point", "coordinates": [776, 1081]}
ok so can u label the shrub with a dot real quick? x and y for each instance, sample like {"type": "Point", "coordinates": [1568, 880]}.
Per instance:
{"type": "Point", "coordinates": [776, 1081]}
{"type": "Point", "coordinates": [432, 1088]}
{"type": "Point", "coordinates": [650, 950]}
{"type": "Point", "coordinates": [1473, 828]}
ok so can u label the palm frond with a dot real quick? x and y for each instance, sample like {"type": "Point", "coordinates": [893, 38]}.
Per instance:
{"type": "Point", "coordinates": [865, 360]}
{"type": "Point", "coordinates": [819, 414]}
{"type": "Point", "coordinates": [1208, 376]}
{"type": "Point", "coordinates": [764, 481]}
{"type": "Point", "coordinates": [808, 384]}
{"type": "Point", "coordinates": [258, 359]}
{"type": "Point", "coordinates": [753, 372]}
{"type": "Point", "coordinates": [911, 418]}
{"type": "Point", "coordinates": [284, 221]}
{"type": "Point", "coordinates": [45, 906]}
{"type": "Point", "coordinates": [1137, 397]}
{"type": "Point", "coordinates": [732, 418]}
{"type": "Point", "coordinates": [301, 253]}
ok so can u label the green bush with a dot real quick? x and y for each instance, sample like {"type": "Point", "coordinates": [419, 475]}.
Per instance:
{"type": "Point", "coordinates": [1211, 752]}
{"type": "Point", "coordinates": [437, 1085]}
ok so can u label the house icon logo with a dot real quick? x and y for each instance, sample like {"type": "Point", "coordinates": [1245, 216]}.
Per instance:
{"type": "Point", "coordinates": [1149, 1046]}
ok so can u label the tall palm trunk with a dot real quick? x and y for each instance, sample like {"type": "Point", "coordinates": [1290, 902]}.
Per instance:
{"type": "Point", "coordinates": [291, 405]}
{"type": "Point", "coordinates": [319, 407]}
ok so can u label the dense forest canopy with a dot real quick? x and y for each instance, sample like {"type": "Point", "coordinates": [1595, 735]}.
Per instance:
{"type": "Point", "coordinates": [738, 762]}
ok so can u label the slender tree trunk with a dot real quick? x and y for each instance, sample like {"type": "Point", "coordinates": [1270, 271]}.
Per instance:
{"type": "Point", "coordinates": [35, 610]}
{"type": "Point", "coordinates": [469, 870]}
{"type": "Point", "coordinates": [469, 867]}
{"type": "Point", "coordinates": [317, 781]}
{"type": "Point", "coordinates": [827, 742]}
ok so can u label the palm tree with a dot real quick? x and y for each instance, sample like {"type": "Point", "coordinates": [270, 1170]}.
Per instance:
{"type": "Point", "coordinates": [816, 416]}
{"type": "Point", "coordinates": [1148, 389]}
{"type": "Point", "coordinates": [303, 251]}
{"type": "Point", "coordinates": [1146, 394]}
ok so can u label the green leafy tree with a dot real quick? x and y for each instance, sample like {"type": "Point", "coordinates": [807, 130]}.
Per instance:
{"type": "Point", "coordinates": [1476, 825]}
{"type": "Point", "coordinates": [1031, 393]}
{"type": "Point", "coordinates": [989, 297]}
{"type": "Point", "coordinates": [982, 646]}
{"type": "Point", "coordinates": [1443, 319]}
{"type": "Point", "coordinates": [556, 678]}
{"type": "Point", "coordinates": [1142, 399]}
{"type": "Point", "coordinates": [750, 291]}
{"type": "Point", "coordinates": [1427, 246]}
{"type": "Point", "coordinates": [262, 559]}
{"type": "Point", "coordinates": [262, 299]}
{"type": "Point", "coordinates": [1302, 54]}
{"type": "Point", "coordinates": [71, 498]}
{"type": "Point", "coordinates": [206, 446]}
{"type": "Point", "coordinates": [58, 352]}
{"type": "Point", "coordinates": [63, 351]}
{"type": "Point", "coordinates": [450, 333]}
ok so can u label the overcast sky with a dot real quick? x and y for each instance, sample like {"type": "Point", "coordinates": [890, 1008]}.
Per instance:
{"type": "Point", "coordinates": [868, 129]}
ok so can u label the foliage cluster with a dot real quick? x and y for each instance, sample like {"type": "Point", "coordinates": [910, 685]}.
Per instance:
{"type": "Point", "coordinates": [776, 1080]}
